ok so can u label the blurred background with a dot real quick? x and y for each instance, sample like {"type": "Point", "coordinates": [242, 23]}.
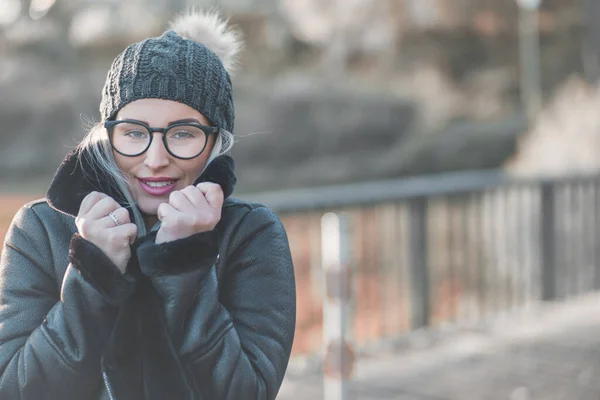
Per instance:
{"type": "Point", "coordinates": [456, 141]}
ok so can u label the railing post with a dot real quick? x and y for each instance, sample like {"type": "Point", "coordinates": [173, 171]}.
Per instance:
{"type": "Point", "coordinates": [339, 356]}
{"type": "Point", "coordinates": [419, 268]}
{"type": "Point", "coordinates": [596, 235]}
{"type": "Point", "coordinates": [547, 245]}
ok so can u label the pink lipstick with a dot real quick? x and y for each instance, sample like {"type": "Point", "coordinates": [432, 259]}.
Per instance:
{"type": "Point", "coordinates": [158, 186]}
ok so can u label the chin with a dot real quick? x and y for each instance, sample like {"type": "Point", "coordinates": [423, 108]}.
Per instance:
{"type": "Point", "coordinates": [150, 206]}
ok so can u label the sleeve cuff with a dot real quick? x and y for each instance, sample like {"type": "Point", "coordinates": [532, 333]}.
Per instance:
{"type": "Point", "coordinates": [97, 269]}
{"type": "Point", "coordinates": [179, 256]}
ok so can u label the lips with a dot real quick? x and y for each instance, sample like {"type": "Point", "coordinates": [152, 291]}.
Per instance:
{"type": "Point", "coordinates": [157, 186]}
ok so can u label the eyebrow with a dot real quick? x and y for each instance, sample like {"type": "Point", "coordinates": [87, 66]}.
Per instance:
{"type": "Point", "coordinates": [179, 121]}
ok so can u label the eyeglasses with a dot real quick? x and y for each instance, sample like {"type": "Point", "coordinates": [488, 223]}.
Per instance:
{"type": "Point", "coordinates": [132, 138]}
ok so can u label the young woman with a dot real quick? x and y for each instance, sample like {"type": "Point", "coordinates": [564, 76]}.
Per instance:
{"type": "Point", "coordinates": [139, 277]}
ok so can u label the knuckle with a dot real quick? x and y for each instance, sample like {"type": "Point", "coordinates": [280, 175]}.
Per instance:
{"type": "Point", "coordinates": [191, 190]}
{"type": "Point", "coordinates": [161, 209]}
{"type": "Point", "coordinates": [215, 191]}
{"type": "Point", "coordinates": [214, 187]}
{"type": "Point", "coordinates": [99, 196]}
{"type": "Point", "coordinates": [98, 203]}
{"type": "Point", "coordinates": [124, 215]}
{"type": "Point", "coordinates": [84, 227]}
{"type": "Point", "coordinates": [209, 186]}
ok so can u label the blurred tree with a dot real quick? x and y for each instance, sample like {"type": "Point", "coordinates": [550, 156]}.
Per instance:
{"type": "Point", "coordinates": [342, 28]}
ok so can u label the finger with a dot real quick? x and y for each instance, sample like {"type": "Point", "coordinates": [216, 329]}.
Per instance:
{"type": "Point", "coordinates": [102, 208]}
{"type": "Point", "coordinates": [196, 197]}
{"type": "Point", "coordinates": [213, 194]}
{"type": "Point", "coordinates": [122, 216]}
{"type": "Point", "coordinates": [89, 201]}
{"type": "Point", "coordinates": [122, 235]}
{"type": "Point", "coordinates": [166, 210]}
{"type": "Point", "coordinates": [180, 202]}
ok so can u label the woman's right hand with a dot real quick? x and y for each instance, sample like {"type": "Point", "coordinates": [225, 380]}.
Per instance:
{"type": "Point", "coordinates": [96, 226]}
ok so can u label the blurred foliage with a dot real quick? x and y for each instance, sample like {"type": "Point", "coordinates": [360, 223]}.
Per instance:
{"type": "Point", "coordinates": [329, 92]}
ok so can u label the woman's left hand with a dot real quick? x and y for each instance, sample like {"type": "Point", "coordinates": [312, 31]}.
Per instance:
{"type": "Point", "coordinates": [192, 210]}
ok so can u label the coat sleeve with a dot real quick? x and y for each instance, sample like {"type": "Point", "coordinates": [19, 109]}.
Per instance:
{"type": "Point", "coordinates": [235, 337]}
{"type": "Point", "coordinates": [52, 335]}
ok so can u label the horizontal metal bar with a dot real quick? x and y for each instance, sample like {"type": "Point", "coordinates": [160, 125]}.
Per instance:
{"type": "Point", "coordinates": [356, 194]}
{"type": "Point", "coordinates": [377, 191]}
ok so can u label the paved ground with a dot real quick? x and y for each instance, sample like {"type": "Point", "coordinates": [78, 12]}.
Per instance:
{"type": "Point", "coordinates": [551, 353]}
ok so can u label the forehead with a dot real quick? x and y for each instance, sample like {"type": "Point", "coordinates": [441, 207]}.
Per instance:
{"type": "Point", "coordinates": [159, 112]}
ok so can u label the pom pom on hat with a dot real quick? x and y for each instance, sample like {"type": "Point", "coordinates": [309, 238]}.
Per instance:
{"type": "Point", "coordinates": [212, 30]}
{"type": "Point", "coordinates": [190, 63]}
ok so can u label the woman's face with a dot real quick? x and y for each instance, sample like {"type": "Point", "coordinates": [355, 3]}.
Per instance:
{"type": "Point", "coordinates": [154, 174]}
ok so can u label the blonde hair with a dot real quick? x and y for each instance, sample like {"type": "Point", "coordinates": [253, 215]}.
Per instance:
{"type": "Point", "coordinates": [102, 160]}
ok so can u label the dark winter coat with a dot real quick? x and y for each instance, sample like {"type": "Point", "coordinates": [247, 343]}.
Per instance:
{"type": "Point", "coordinates": [209, 317]}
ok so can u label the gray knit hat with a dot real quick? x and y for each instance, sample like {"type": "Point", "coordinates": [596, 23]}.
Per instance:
{"type": "Point", "coordinates": [190, 63]}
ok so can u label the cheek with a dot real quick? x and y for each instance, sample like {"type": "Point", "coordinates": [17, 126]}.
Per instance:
{"type": "Point", "coordinates": [120, 161]}
{"type": "Point", "coordinates": [193, 168]}
{"type": "Point", "coordinates": [192, 172]}
{"type": "Point", "coordinates": [125, 164]}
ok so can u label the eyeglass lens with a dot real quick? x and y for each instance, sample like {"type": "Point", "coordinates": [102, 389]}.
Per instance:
{"type": "Point", "coordinates": [183, 141]}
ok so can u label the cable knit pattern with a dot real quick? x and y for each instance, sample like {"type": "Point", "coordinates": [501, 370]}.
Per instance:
{"type": "Point", "coordinates": [173, 68]}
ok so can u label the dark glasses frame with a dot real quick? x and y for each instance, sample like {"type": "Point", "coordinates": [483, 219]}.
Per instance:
{"type": "Point", "coordinates": [110, 127]}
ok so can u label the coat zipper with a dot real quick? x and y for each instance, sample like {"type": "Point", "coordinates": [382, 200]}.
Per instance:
{"type": "Point", "coordinates": [108, 387]}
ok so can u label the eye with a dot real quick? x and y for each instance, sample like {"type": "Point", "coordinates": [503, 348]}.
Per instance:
{"type": "Point", "coordinates": [183, 134]}
{"type": "Point", "coordinates": [136, 134]}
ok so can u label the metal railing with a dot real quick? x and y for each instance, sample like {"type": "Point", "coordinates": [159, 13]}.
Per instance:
{"type": "Point", "coordinates": [448, 249]}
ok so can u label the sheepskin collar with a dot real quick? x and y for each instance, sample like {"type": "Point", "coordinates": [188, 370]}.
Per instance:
{"type": "Point", "coordinates": [140, 336]}
{"type": "Point", "coordinates": [70, 184]}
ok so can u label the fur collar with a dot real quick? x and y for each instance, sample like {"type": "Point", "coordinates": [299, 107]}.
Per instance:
{"type": "Point", "coordinates": [70, 184]}
{"type": "Point", "coordinates": [162, 375]}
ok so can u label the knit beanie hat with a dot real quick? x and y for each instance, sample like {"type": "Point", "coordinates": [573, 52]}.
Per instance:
{"type": "Point", "coordinates": [190, 63]}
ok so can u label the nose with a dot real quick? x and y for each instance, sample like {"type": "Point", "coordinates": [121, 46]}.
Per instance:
{"type": "Point", "coordinates": [157, 156]}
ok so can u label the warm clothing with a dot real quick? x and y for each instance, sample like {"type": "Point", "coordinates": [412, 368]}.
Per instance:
{"type": "Point", "coordinates": [188, 64]}
{"type": "Point", "coordinates": [209, 317]}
